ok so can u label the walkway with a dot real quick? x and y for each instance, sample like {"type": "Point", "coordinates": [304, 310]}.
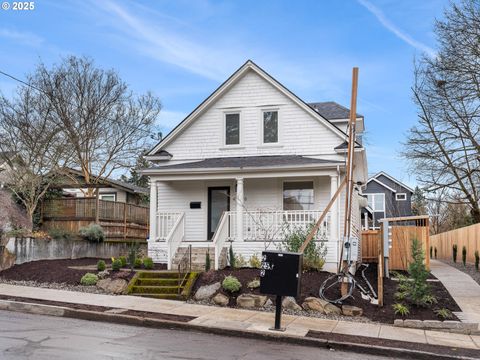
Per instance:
{"type": "Point", "coordinates": [462, 287]}
{"type": "Point", "coordinates": [246, 320]}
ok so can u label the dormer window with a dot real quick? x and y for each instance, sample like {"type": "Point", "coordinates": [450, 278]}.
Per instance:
{"type": "Point", "coordinates": [270, 126]}
{"type": "Point", "coordinates": [232, 129]}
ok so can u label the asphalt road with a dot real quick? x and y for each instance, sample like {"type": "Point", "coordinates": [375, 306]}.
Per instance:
{"type": "Point", "coordinates": [25, 336]}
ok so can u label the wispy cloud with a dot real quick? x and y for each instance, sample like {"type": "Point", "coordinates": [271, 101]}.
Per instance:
{"type": "Point", "coordinates": [25, 38]}
{"type": "Point", "coordinates": [158, 40]}
{"type": "Point", "coordinates": [394, 29]}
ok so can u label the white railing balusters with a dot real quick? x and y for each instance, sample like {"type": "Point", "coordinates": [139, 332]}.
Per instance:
{"type": "Point", "coordinates": [221, 236]}
{"type": "Point", "coordinates": [175, 238]}
{"type": "Point", "coordinates": [165, 223]}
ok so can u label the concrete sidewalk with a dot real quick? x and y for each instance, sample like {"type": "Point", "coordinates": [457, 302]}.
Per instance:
{"type": "Point", "coordinates": [246, 320]}
{"type": "Point", "coordinates": [464, 290]}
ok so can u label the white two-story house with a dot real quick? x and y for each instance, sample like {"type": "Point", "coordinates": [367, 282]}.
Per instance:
{"type": "Point", "coordinates": [250, 163]}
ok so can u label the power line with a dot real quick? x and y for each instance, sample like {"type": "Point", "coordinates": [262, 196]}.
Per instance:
{"type": "Point", "coordinates": [21, 81]}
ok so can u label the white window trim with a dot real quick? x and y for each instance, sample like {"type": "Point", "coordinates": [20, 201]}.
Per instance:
{"type": "Point", "coordinates": [297, 180]}
{"type": "Point", "coordinates": [401, 194]}
{"type": "Point", "coordinates": [224, 129]}
{"type": "Point", "coordinates": [373, 203]}
{"type": "Point", "coordinates": [279, 124]}
{"type": "Point", "coordinates": [100, 196]}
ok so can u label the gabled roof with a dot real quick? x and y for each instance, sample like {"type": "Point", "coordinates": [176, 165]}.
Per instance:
{"type": "Point", "coordinates": [247, 66]}
{"type": "Point", "coordinates": [331, 110]}
{"type": "Point", "coordinates": [392, 179]}
{"type": "Point", "coordinates": [131, 188]}
{"type": "Point", "coordinates": [382, 184]}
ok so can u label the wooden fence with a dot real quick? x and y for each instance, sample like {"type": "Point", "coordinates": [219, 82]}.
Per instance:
{"type": "Point", "coordinates": [468, 236]}
{"type": "Point", "coordinates": [120, 221]}
{"type": "Point", "coordinates": [400, 252]}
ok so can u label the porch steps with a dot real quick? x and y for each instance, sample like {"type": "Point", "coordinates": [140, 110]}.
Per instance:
{"type": "Point", "coordinates": [162, 285]}
{"type": "Point", "coordinates": [199, 256]}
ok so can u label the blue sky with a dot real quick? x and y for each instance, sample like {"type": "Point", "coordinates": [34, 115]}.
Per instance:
{"type": "Point", "coordinates": [183, 49]}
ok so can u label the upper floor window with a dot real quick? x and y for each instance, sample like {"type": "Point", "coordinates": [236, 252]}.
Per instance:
{"type": "Point", "coordinates": [401, 197]}
{"type": "Point", "coordinates": [298, 195]}
{"type": "Point", "coordinates": [376, 201]}
{"type": "Point", "coordinates": [232, 129]}
{"type": "Point", "coordinates": [270, 127]}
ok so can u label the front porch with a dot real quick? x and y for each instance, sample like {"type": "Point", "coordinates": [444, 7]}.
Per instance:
{"type": "Point", "coordinates": [251, 214]}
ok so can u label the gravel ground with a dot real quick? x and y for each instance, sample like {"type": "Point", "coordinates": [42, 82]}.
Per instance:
{"type": "Point", "coordinates": [468, 269]}
{"type": "Point", "coordinates": [57, 286]}
{"type": "Point", "coordinates": [359, 319]}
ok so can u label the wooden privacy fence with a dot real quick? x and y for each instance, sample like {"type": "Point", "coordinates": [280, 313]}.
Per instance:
{"type": "Point", "coordinates": [120, 221]}
{"type": "Point", "coordinates": [403, 230]}
{"type": "Point", "coordinates": [468, 236]}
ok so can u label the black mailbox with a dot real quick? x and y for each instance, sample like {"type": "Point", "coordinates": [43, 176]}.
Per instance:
{"type": "Point", "coordinates": [280, 273]}
{"type": "Point", "coordinates": [195, 205]}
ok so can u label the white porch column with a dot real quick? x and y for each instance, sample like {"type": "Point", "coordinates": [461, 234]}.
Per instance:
{"type": "Point", "coordinates": [334, 209]}
{"type": "Point", "coordinates": [239, 209]}
{"type": "Point", "coordinates": [153, 210]}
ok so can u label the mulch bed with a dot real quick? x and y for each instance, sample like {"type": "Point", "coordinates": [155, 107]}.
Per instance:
{"type": "Point", "coordinates": [143, 314]}
{"type": "Point", "coordinates": [59, 271]}
{"type": "Point", "coordinates": [364, 340]}
{"type": "Point", "coordinates": [311, 282]}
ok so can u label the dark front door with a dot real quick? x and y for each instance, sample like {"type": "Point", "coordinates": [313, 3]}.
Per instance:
{"type": "Point", "coordinates": [218, 202]}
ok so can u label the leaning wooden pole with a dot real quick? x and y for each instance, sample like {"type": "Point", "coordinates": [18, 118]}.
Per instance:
{"type": "Point", "coordinates": [349, 173]}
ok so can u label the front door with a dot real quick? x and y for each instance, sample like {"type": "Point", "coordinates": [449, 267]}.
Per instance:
{"type": "Point", "coordinates": [218, 202]}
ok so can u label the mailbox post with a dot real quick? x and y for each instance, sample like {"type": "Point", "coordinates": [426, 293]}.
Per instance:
{"type": "Point", "coordinates": [280, 274]}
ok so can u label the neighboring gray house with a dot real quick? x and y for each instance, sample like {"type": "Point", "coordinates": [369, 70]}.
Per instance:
{"type": "Point", "coordinates": [387, 197]}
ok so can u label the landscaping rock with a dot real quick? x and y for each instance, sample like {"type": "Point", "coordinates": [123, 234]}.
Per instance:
{"type": "Point", "coordinates": [349, 310]}
{"type": "Point", "coordinates": [207, 291]}
{"type": "Point", "coordinates": [221, 299]}
{"type": "Point", "coordinates": [314, 304]}
{"type": "Point", "coordinates": [103, 274]}
{"type": "Point", "coordinates": [331, 309]}
{"type": "Point", "coordinates": [255, 283]}
{"type": "Point", "coordinates": [290, 303]}
{"type": "Point", "coordinates": [268, 303]}
{"type": "Point", "coordinates": [116, 286]}
{"type": "Point", "coordinates": [251, 300]}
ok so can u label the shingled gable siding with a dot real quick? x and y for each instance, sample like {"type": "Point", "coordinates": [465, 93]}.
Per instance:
{"type": "Point", "coordinates": [300, 133]}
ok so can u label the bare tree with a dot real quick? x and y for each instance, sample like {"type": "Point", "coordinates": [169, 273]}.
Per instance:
{"type": "Point", "coordinates": [444, 147]}
{"type": "Point", "coordinates": [31, 146]}
{"type": "Point", "coordinates": [106, 125]}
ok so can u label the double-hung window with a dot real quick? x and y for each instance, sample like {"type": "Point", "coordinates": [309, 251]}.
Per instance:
{"type": "Point", "coordinates": [270, 126]}
{"type": "Point", "coordinates": [298, 195]}
{"type": "Point", "coordinates": [376, 202]}
{"type": "Point", "coordinates": [232, 129]}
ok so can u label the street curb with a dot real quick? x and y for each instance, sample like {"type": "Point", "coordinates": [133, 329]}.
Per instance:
{"type": "Point", "coordinates": [59, 311]}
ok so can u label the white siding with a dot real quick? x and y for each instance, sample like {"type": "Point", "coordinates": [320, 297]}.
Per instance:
{"type": "Point", "coordinates": [300, 132]}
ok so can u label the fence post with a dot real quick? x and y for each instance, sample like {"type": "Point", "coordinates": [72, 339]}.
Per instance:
{"type": "Point", "coordinates": [124, 221]}
{"type": "Point", "coordinates": [380, 265]}
{"type": "Point", "coordinates": [97, 205]}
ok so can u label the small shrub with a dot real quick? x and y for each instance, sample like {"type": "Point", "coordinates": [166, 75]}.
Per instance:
{"type": "Point", "coordinates": [123, 260]}
{"type": "Point", "coordinates": [315, 252]}
{"type": "Point", "coordinates": [231, 284]}
{"type": "Point", "coordinates": [444, 314]}
{"type": "Point", "coordinates": [464, 256]}
{"type": "Point", "coordinates": [60, 234]}
{"type": "Point", "coordinates": [477, 259]}
{"type": "Point", "coordinates": [435, 252]}
{"type": "Point", "coordinates": [429, 300]}
{"type": "Point", "coordinates": [231, 257]}
{"type": "Point", "coordinates": [101, 265]}
{"type": "Point", "coordinates": [454, 252]}
{"type": "Point", "coordinates": [418, 287]}
{"type": "Point", "coordinates": [148, 263]}
{"type": "Point", "coordinates": [431, 252]}
{"type": "Point", "coordinates": [116, 265]}
{"type": "Point", "coordinates": [89, 279]}
{"type": "Point", "coordinates": [240, 261]}
{"type": "Point", "coordinates": [133, 250]}
{"type": "Point", "coordinates": [254, 261]}
{"type": "Point", "coordinates": [401, 309]}
{"type": "Point", "coordinates": [208, 262]}
{"type": "Point", "coordinates": [137, 263]}
{"type": "Point", "coordinates": [254, 284]}
{"type": "Point", "coordinates": [400, 296]}
{"type": "Point", "coordinates": [93, 233]}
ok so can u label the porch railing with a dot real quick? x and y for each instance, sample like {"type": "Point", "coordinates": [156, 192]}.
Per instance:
{"type": "Point", "coordinates": [175, 238]}
{"type": "Point", "coordinates": [273, 225]}
{"type": "Point", "coordinates": [220, 237]}
{"type": "Point", "coordinates": [165, 223]}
